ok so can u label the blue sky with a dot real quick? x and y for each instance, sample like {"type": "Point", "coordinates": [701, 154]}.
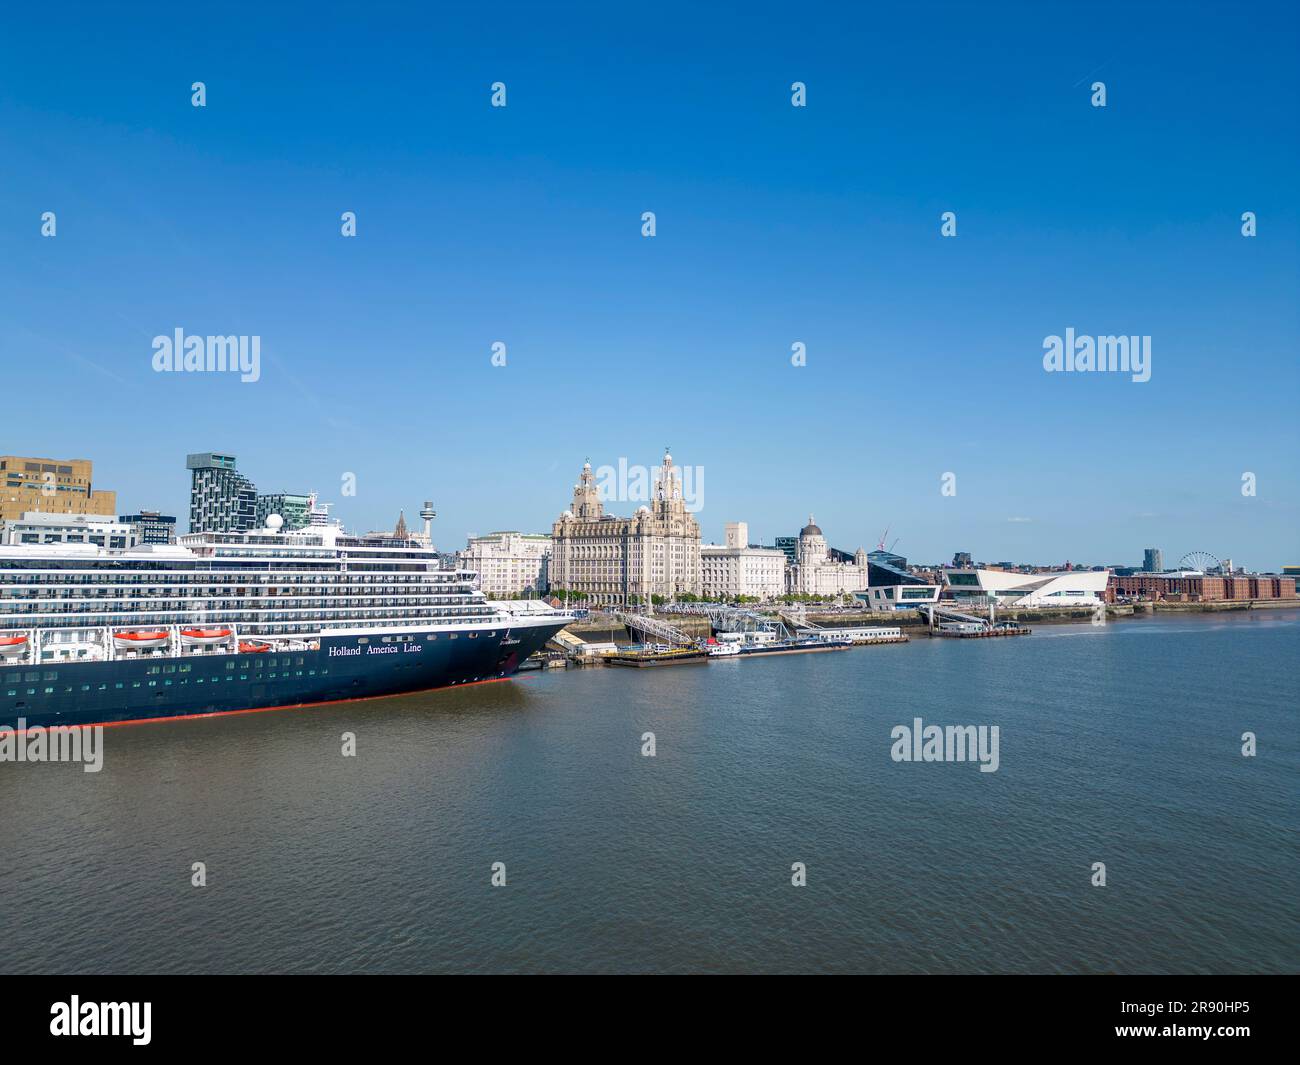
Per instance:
{"type": "Point", "coordinates": [775, 224]}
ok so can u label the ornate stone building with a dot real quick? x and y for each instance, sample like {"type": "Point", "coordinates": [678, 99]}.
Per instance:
{"type": "Point", "coordinates": [736, 569]}
{"type": "Point", "coordinates": [819, 570]}
{"type": "Point", "coordinates": [620, 561]}
{"type": "Point", "coordinates": [509, 564]}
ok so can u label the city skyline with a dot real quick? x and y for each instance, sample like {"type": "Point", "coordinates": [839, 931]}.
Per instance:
{"type": "Point", "coordinates": [627, 489]}
{"type": "Point", "coordinates": [621, 503]}
{"type": "Point", "coordinates": [776, 226]}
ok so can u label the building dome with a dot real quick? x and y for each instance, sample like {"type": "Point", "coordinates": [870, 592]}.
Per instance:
{"type": "Point", "coordinates": [810, 529]}
{"type": "Point", "coordinates": [566, 514]}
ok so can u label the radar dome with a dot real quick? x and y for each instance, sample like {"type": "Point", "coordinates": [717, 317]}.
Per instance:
{"type": "Point", "coordinates": [274, 522]}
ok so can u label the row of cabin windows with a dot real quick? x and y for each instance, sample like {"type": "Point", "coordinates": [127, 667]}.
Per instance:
{"type": "Point", "coordinates": [68, 689]}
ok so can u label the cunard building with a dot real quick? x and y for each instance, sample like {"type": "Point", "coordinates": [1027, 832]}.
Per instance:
{"type": "Point", "coordinates": [621, 561]}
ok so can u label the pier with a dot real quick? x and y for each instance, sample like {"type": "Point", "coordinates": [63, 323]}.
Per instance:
{"type": "Point", "coordinates": [944, 621]}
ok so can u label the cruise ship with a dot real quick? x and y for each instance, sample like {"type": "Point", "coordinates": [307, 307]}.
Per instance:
{"type": "Point", "coordinates": [230, 622]}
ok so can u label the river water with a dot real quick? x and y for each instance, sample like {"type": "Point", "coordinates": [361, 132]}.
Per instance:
{"type": "Point", "coordinates": [1119, 744]}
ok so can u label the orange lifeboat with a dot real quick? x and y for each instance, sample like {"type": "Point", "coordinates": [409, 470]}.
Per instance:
{"type": "Point", "coordinates": [203, 637]}
{"type": "Point", "coordinates": [138, 640]}
{"type": "Point", "coordinates": [14, 644]}
{"type": "Point", "coordinates": [252, 647]}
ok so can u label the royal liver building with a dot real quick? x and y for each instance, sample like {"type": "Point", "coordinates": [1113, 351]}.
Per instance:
{"type": "Point", "coordinates": [621, 561]}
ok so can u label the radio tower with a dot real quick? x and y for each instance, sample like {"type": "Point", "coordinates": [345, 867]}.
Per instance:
{"type": "Point", "coordinates": [428, 514]}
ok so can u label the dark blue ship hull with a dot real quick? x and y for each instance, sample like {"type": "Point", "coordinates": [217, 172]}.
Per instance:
{"type": "Point", "coordinates": [344, 668]}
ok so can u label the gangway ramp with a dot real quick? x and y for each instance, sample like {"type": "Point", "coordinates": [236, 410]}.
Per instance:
{"type": "Point", "coordinates": [948, 614]}
{"type": "Point", "coordinates": [661, 630]}
{"type": "Point", "coordinates": [798, 619]}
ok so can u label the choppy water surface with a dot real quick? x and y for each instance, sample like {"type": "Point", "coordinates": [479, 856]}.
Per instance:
{"type": "Point", "coordinates": [1119, 744]}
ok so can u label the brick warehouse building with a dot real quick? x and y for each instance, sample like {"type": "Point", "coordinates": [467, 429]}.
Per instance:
{"type": "Point", "coordinates": [1198, 588]}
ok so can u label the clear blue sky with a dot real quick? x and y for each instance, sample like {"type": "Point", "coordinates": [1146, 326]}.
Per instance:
{"type": "Point", "coordinates": [775, 225]}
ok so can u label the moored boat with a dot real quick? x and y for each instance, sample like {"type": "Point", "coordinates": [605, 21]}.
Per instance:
{"type": "Point", "coordinates": [289, 619]}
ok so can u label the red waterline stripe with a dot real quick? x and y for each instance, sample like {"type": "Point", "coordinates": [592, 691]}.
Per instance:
{"type": "Point", "coordinates": [260, 709]}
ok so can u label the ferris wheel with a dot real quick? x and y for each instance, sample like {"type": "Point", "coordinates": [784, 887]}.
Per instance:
{"type": "Point", "coordinates": [1200, 560]}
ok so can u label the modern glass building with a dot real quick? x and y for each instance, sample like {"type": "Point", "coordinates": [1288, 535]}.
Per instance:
{"type": "Point", "coordinates": [1153, 560]}
{"type": "Point", "coordinates": [790, 545]}
{"type": "Point", "coordinates": [151, 527]}
{"type": "Point", "coordinates": [295, 510]}
{"type": "Point", "coordinates": [221, 499]}
{"type": "Point", "coordinates": [892, 586]}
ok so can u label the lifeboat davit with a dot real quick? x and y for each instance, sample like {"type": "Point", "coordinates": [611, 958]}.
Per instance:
{"type": "Point", "coordinates": [203, 637]}
{"type": "Point", "coordinates": [139, 640]}
{"type": "Point", "coordinates": [13, 645]}
{"type": "Point", "coordinates": [252, 647]}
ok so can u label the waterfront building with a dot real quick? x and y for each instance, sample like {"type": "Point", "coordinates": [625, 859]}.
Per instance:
{"type": "Point", "coordinates": [962, 560]}
{"type": "Point", "coordinates": [891, 585]}
{"type": "Point", "coordinates": [36, 527]}
{"type": "Point", "coordinates": [1193, 586]}
{"type": "Point", "coordinates": [824, 571]}
{"type": "Point", "coordinates": [734, 569]}
{"type": "Point", "coordinates": [509, 563]}
{"type": "Point", "coordinates": [1054, 588]}
{"type": "Point", "coordinates": [221, 498]}
{"type": "Point", "coordinates": [621, 561]}
{"type": "Point", "coordinates": [1153, 560]}
{"type": "Point", "coordinates": [50, 486]}
{"type": "Point", "coordinates": [294, 509]}
{"type": "Point", "coordinates": [151, 527]}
